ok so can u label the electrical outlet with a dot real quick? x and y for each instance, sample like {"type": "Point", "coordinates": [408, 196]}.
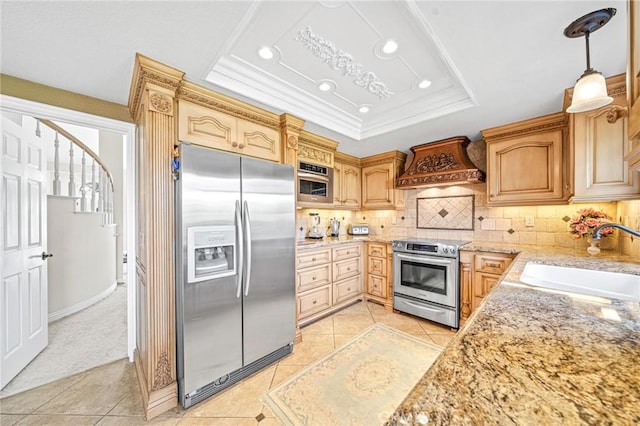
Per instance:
{"type": "Point", "coordinates": [394, 220]}
{"type": "Point", "coordinates": [529, 221]}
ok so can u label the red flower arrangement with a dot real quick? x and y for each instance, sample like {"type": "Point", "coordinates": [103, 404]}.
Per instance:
{"type": "Point", "coordinates": [588, 220]}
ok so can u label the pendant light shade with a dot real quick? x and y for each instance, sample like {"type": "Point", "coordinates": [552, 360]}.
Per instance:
{"type": "Point", "coordinates": [590, 92]}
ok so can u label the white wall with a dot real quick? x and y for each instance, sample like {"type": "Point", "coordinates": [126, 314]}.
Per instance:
{"type": "Point", "coordinates": [111, 154]}
{"type": "Point", "coordinates": [83, 255]}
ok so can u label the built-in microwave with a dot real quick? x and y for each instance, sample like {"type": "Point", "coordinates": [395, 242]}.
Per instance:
{"type": "Point", "coordinates": [315, 183]}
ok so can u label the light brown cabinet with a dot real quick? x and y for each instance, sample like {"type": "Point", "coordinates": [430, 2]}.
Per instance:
{"type": "Point", "coordinates": [379, 174]}
{"type": "Point", "coordinates": [327, 279]}
{"type": "Point", "coordinates": [528, 162]}
{"type": "Point", "coordinates": [346, 181]}
{"type": "Point", "coordinates": [633, 84]}
{"type": "Point", "coordinates": [215, 129]}
{"type": "Point", "coordinates": [599, 140]}
{"type": "Point", "coordinates": [379, 275]}
{"type": "Point", "coordinates": [479, 273]}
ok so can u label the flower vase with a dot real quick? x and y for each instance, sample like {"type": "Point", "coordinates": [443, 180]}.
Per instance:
{"type": "Point", "coordinates": [594, 247]}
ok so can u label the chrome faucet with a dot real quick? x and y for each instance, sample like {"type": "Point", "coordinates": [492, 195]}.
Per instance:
{"type": "Point", "coordinates": [596, 232]}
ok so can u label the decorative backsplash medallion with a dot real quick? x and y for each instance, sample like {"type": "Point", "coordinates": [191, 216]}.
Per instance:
{"type": "Point", "coordinates": [446, 213]}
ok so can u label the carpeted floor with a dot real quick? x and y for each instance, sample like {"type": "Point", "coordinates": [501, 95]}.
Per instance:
{"type": "Point", "coordinates": [359, 383]}
{"type": "Point", "coordinates": [79, 342]}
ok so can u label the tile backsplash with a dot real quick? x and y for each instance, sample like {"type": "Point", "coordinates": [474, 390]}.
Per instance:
{"type": "Point", "coordinates": [534, 225]}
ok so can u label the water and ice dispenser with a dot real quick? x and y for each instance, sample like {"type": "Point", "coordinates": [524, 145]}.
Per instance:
{"type": "Point", "coordinates": [211, 252]}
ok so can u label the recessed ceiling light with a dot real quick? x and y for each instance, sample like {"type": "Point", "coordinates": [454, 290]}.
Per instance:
{"type": "Point", "coordinates": [364, 109]}
{"type": "Point", "coordinates": [265, 52]}
{"type": "Point", "coordinates": [389, 47]}
{"type": "Point", "coordinates": [324, 86]}
{"type": "Point", "coordinates": [424, 84]}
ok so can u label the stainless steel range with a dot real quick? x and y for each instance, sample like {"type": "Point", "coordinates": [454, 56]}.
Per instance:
{"type": "Point", "coordinates": [426, 280]}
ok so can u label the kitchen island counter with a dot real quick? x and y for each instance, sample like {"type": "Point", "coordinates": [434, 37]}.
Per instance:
{"type": "Point", "coordinates": [529, 356]}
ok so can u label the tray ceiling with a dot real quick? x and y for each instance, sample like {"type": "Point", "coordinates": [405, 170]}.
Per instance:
{"type": "Point", "coordinates": [340, 46]}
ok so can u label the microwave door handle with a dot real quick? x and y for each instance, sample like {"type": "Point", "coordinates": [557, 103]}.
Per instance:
{"type": "Point", "coordinates": [247, 225]}
{"type": "Point", "coordinates": [313, 176]}
{"type": "Point", "coordinates": [425, 259]}
{"type": "Point", "coordinates": [240, 245]}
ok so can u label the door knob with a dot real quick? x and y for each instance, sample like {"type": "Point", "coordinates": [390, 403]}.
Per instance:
{"type": "Point", "coordinates": [45, 255]}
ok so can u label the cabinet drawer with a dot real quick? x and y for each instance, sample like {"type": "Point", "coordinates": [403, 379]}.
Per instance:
{"type": "Point", "coordinates": [346, 289]}
{"type": "Point", "coordinates": [313, 257]}
{"type": "Point", "coordinates": [376, 286]}
{"type": "Point", "coordinates": [346, 269]}
{"type": "Point", "coordinates": [493, 264]}
{"type": "Point", "coordinates": [308, 278]}
{"type": "Point", "coordinates": [377, 266]}
{"type": "Point", "coordinates": [377, 250]}
{"type": "Point", "coordinates": [346, 252]}
{"type": "Point", "coordinates": [314, 301]}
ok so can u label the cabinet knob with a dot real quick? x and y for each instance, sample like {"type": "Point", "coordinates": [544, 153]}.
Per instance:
{"type": "Point", "coordinates": [313, 259]}
{"type": "Point", "coordinates": [241, 146]}
{"type": "Point", "coordinates": [234, 144]}
{"type": "Point", "coordinates": [315, 301]}
{"type": "Point", "coordinates": [348, 269]}
{"type": "Point", "coordinates": [313, 278]}
{"type": "Point", "coordinates": [348, 288]}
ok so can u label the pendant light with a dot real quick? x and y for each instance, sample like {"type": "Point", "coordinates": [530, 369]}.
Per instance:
{"type": "Point", "coordinates": [590, 92]}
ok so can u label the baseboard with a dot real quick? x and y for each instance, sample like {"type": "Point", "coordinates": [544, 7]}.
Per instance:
{"type": "Point", "coordinates": [82, 305]}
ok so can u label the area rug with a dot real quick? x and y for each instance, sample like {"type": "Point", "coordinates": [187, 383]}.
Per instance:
{"type": "Point", "coordinates": [360, 383]}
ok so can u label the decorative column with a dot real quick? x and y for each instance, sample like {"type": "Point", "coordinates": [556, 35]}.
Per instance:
{"type": "Point", "coordinates": [290, 128]}
{"type": "Point", "coordinates": [153, 108]}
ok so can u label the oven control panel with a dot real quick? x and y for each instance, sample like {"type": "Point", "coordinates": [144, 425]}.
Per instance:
{"type": "Point", "coordinates": [434, 248]}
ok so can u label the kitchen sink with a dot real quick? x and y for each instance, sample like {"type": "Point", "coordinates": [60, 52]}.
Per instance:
{"type": "Point", "coordinates": [612, 285]}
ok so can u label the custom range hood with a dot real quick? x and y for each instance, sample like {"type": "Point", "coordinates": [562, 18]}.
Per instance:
{"type": "Point", "coordinates": [443, 162]}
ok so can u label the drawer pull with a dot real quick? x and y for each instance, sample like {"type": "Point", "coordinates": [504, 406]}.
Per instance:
{"type": "Point", "coordinates": [493, 265]}
{"type": "Point", "coordinates": [348, 269]}
{"type": "Point", "coordinates": [348, 288]}
{"type": "Point", "coordinates": [313, 278]}
{"type": "Point", "coordinates": [315, 301]}
{"type": "Point", "coordinates": [313, 259]}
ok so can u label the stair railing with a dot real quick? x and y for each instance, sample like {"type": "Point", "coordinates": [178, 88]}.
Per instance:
{"type": "Point", "coordinates": [100, 187]}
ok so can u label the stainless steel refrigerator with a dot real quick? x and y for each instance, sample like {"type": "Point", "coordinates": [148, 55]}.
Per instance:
{"type": "Point", "coordinates": [235, 254]}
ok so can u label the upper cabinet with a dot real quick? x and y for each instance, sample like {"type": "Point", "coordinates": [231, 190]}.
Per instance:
{"type": "Point", "coordinates": [346, 181]}
{"type": "Point", "coordinates": [379, 174]}
{"type": "Point", "coordinates": [600, 141]}
{"type": "Point", "coordinates": [219, 130]}
{"type": "Point", "coordinates": [633, 84]}
{"type": "Point", "coordinates": [528, 162]}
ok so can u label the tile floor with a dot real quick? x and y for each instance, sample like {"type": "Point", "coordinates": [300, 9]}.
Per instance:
{"type": "Point", "coordinates": [109, 395]}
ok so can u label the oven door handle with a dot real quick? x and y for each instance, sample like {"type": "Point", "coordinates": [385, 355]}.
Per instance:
{"type": "Point", "coordinates": [425, 259]}
{"type": "Point", "coordinates": [413, 305]}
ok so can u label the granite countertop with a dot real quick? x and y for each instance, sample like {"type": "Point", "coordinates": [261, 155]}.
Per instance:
{"type": "Point", "coordinates": [328, 241]}
{"type": "Point", "coordinates": [529, 356]}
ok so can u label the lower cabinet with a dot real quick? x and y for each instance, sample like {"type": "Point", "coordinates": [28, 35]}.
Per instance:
{"type": "Point", "coordinates": [327, 279]}
{"type": "Point", "coordinates": [479, 273]}
{"type": "Point", "coordinates": [379, 281]}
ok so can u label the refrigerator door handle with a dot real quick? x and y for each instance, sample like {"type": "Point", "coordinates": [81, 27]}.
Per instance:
{"type": "Point", "coordinates": [240, 256]}
{"type": "Point", "coordinates": [247, 224]}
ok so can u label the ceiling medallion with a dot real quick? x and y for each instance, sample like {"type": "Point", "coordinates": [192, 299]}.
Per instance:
{"type": "Point", "coordinates": [340, 60]}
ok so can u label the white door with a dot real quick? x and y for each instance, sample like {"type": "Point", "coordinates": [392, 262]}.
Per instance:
{"type": "Point", "coordinates": [23, 292]}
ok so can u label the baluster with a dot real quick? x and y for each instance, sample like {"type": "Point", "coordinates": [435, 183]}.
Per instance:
{"type": "Point", "coordinates": [93, 186]}
{"type": "Point", "coordinates": [100, 190]}
{"type": "Point", "coordinates": [83, 184]}
{"type": "Point", "coordinates": [72, 184]}
{"type": "Point", "coordinates": [56, 166]}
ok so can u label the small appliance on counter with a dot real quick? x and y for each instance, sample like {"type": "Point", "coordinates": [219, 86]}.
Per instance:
{"type": "Point", "coordinates": [314, 227]}
{"type": "Point", "coordinates": [334, 228]}
{"type": "Point", "coordinates": [358, 229]}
